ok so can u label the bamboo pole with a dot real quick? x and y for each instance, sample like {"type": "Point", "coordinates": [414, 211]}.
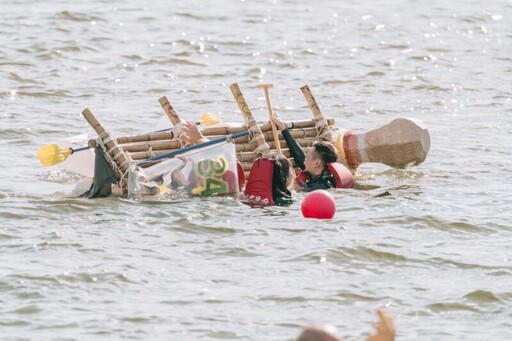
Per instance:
{"type": "Point", "coordinates": [325, 133]}
{"type": "Point", "coordinates": [165, 147]}
{"type": "Point", "coordinates": [169, 110]}
{"type": "Point", "coordinates": [296, 133]}
{"type": "Point", "coordinates": [151, 145]}
{"type": "Point", "coordinates": [300, 124]}
{"type": "Point", "coordinates": [116, 153]}
{"type": "Point", "coordinates": [154, 136]}
{"type": "Point", "coordinates": [262, 146]}
{"type": "Point", "coordinates": [212, 132]}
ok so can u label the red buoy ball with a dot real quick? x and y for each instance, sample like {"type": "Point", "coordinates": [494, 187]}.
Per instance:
{"type": "Point", "coordinates": [318, 204]}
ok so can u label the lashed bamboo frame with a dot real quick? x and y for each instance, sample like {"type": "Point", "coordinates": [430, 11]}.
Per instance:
{"type": "Point", "coordinates": [124, 151]}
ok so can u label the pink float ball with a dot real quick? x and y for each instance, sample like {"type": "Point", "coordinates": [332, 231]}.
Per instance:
{"type": "Point", "coordinates": [318, 204]}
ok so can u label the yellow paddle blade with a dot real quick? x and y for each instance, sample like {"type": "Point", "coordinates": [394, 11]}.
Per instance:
{"type": "Point", "coordinates": [52, 154]}
{"type": "Point", "coordinates": [163, 189]}
{"type": "Point", "coordinates": [210, 119]}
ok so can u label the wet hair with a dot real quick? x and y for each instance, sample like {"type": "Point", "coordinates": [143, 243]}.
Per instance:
{"type": "Point", "coordinates": [283, 166]}
{"type": "Point", "coordinates": [325, 151]}
{"type": "Point", "coordinates": [282, 179]}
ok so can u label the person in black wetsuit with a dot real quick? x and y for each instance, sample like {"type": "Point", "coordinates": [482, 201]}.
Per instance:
{"type": "Point", "coordinates": [314, 174]}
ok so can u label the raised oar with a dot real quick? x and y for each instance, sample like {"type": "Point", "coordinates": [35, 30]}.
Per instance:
{"type": "Point", "coordinates": [265, 88]}
{"type": "Point", "coordinates": [52, 154]}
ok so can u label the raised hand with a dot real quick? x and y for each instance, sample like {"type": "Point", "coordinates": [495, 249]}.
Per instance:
{"type": "Point", "coordinates": [384, 330]}
{"type": "Point", "coordinates": [191, 134]}
{"type": "Point", "coordinates": [277, 121]}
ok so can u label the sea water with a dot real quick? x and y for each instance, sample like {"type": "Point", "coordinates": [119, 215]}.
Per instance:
{"type": "Point", "coordinates": [431, 244]}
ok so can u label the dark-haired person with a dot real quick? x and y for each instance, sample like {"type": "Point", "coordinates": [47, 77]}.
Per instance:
{"type": "Point", "coordinates": [269, 182]}
{"type": "Point", "coordinates": [317, 165]}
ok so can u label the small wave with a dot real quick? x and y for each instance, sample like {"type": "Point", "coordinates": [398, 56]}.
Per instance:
{"type": "Point", "coordinates": [482, 297]}
{"type": "Point", "coordinates": [203, 17]}
{"type": "Point", "coordinates": [365, 254]}
{"type": "Point", "coordinates": [45, 94]}
{"type": "Point", "coordinates": [340, 81]}
{"type": "Point", "coordinates": [137, 319]}
{"type": "Point", "coordinates": [16, 135]}
{"type": "Point", "coordinates": [310, 256]}
{"type": "Point", "coordinates": [474, 19]}
{"type": "Point", "coordinates": [450, 306]}
{"type": "Point", "coordinates": [27, 310]}
{"type": "Point", "coordinates": [434, 88]}
{"type": "Point", "coordinates": [376, 74]}
{"type": "Point", "coordinates": [172, 61]}
{"type": "Point", "coordinates": [78, 17]}
{"type": "Point", "coordinates": [453, 226]}
{"type": "Point", "coordinates": [187, 226]}
{"type": "Point", "coordinates": [275, 298]}
{"type": "Point", "coordinates": [133, 57]}
{"type": "Point", "coordinates": [236, 252]}
{"type": "Point", "coordinates": [423, 58]}
{"type": "Point", "coordinates": [23, 64]}
{"type": "Point", "coordinates": [222, 335]}
{"type": "Point", "coordinates": [12, 216]}
{"type": "Point", "coordinates": [19, 79]}
{"type": "Point", "coordinates": [437, 261]}
{"type": "Point", "coordinates": [15, 323]}
{"type": "Point", "coordinates": [352, 297]}
{"type": "Point", "coordinates": [398, 46]}
{"type": "Point", "coordinates": [4, 236]}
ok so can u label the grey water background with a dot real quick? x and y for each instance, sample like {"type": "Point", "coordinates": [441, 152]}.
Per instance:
{"type": "Point", "coordinates": [431, 245]}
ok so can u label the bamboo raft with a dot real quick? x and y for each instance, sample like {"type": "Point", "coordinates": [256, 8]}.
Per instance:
{"type": "Point", "coordinates": [400, 143]}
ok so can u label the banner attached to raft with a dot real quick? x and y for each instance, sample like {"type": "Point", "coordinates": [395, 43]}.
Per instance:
{"type": "Point", "coordinates": [211, 170]}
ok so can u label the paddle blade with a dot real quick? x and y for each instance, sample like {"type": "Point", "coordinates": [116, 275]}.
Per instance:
{"type": "Point", "coordinates": [52, 154]}
{"type": "Point", "coordinates": [210, 119]}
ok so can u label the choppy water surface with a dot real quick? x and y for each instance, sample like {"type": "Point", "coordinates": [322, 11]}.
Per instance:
{"type": "Point", "coordinates": [431, 244]}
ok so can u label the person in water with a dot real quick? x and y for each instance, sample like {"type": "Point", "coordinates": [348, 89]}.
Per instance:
{"type": "Point", "coordinates": [384, 331]}
{"type": "Point", "coordinates": [314, 174]}
{"type": "Point", "coordinates": [271, 176]}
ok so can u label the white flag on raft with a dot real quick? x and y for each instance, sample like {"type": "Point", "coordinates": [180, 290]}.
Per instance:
{"type": "Point", "coordinates": [211, 170]}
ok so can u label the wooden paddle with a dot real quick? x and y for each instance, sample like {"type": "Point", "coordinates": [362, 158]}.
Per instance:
{"type": "Point", "coordinates": [265, 88]}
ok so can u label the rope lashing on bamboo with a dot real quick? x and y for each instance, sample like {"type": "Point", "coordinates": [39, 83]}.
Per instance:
{"type": "Point", "coordinates": [214, 132]}
{"type": "Point", "coordinates": [120, 161]}
{"type": "Point", "coordinates": [175, 120]}
{"type": "Point", "coordinates": [113, 159]}
{"type": "Point", "coordinates": [324, 133]}
{"type": "Point", "coordinates": [262, 146]}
